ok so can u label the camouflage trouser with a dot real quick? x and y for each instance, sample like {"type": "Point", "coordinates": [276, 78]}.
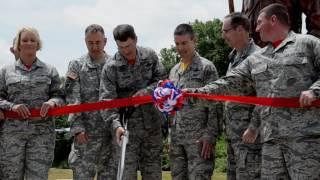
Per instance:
{"type": "Point", "coordinates": [95, 157]}
{"type": "Point", "coordinates": [143, 152]}
{"type": "Point", "coordinates": [186, 162]}
{"type": "Point", "coordinates": [244, 161]}
{"type": "Point", "coordinates": [294, 158]}
{"type": "Point", "coordinates": [27, 154]}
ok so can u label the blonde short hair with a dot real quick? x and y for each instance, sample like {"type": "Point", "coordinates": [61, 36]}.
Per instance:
{"type": "Point", "coordinates": [32, 30]}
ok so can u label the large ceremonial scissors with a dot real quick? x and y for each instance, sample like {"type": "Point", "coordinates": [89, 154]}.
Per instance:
{"type": "Point", "coordinates": [125, 113]}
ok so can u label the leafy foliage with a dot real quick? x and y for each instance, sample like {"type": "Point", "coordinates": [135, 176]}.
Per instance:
{"type": "Point", "coordinates": [169, 57]}
{"type": "Point", "coordinates": [221, 155]}
{"type": "Point", "coordinates": [63, 144]}
{"type": "Point", "coordinates": [211, 45]}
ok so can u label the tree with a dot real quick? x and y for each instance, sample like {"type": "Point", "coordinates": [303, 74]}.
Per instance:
{"type": "Point", "coordinates": [169, 57]}
{"type": "Point", "coordinates": [211, 45]}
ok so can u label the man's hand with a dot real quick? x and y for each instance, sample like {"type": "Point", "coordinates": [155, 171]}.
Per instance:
{"type": "Point", "coordinates": [74, 114]}
{"type": "Point", "coordinates": [188, 90]}
{"type": "Point", "coordinates": [306, 98]}
{"type": "Point", "coordinates": [249, 136]}
{"type": "Point", "coordinates": [185, 90]}
{"type": "Point", "coordinates": [81, 138]}
{"type": "Point", "coordinates": [45, 108]}
{"type": "Point", "coordinates": [1, 115]}
{"type": "Point", "coordinates": [206, 150]}
{"type": "Point", "coordinates": [119, 133]}
{"type": "Point", "coordinates": [141, 92]}
{"type": "Point", "coordinates": [22, 110]}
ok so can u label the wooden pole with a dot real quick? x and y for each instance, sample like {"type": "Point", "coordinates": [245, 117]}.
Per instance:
{"type": "Point", "coordinates": [231, 6]}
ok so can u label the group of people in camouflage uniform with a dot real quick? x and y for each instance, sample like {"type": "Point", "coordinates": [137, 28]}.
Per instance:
{"type": "Point", "coordinates": [288, 66]}
{"type": "Point", "coordinates": [263, 142]}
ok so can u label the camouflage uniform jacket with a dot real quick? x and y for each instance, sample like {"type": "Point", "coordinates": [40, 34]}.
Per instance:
{"type": "Point", "coordinates": [311, 8]}
{"type": "Point", "coordinates": [32, 87]}
{"type": "Point", "coordinates": [119, 80]}
{"type": "Point", "coordinates": [283, 71]}
{"type": "Point", "coordinates": [194, 122]}
{"type": "Point", "coordinates": [239, 116]}
{"type": "Point", "coordinates": [82, 86]}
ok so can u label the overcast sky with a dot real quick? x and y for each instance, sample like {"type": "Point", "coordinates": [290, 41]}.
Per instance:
{"type": "Point", "coordinates": [61, 23]}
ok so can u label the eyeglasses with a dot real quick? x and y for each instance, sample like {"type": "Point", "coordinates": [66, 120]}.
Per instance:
{"type": "Point", "coordinates": [226, 30]}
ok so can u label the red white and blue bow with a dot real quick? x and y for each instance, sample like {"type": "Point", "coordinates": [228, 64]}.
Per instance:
{"type": "Point", "coordinates": [167, 98]}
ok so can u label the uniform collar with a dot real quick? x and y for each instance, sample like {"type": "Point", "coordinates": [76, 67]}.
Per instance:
{"type": "Point", "coordinates": [289, 39]}
{"type": "Point", "coordinates": [194, 63]}
{"type": "Point", "coordinates": [36, 64]}
{"type": "Point", "coordinates": [140, 56]}
{"type": "Point", "coordinates": [243, 54]}
{"type": "Point", "coordinates": [91, 64]}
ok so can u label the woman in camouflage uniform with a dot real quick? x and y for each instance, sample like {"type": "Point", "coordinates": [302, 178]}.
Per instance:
{"type": "Point", "coordinates": [27, 143]}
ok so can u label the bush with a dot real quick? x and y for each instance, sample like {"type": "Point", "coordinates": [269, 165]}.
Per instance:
{"type": "Point", "coordinates": [221, 155]}
{"type": "Point", "coordinates": [63, 144]}
{"type": "Point", "coordinates": [165, 165]}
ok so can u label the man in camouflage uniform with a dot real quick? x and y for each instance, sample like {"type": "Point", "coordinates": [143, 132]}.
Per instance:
{"type": "Point", "coordinates": [287, 67]}
{"type": "Point", "coordinates": [311, 8]}
{"type": "Point", "coordinates": [27, 144]}
{"type": "Point", "coordinates": [194, 128]}
{"type": "Point", "coordinates": [135, 71]}
{"type": "Point", "coordinates": [91, 152]}
{"type": "Point", "coordinates": [244, 158]}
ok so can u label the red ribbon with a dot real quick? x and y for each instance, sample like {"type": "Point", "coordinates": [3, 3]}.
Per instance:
{"type": "Point", "coordinates": [263, 101]}
{"type": "Point", "coordinates": [116, 103]}
{"type": "Point", "coordinates": [131, 101]}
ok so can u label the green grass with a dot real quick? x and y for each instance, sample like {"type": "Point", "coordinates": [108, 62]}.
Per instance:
{"type": "Point", "coordinates": [60, 174]}
{"type": "Point", "coordinates": [221, 155]}
{"type": "Point", "coordinates": [64, 174]}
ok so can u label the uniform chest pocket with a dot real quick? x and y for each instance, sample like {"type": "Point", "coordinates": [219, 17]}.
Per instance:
{"type": "Point", "coordinates": [41, 85]}
{"type": "Point", "coordinates": [89, 79]}
{"type": "Point", "coordinates": [146, 65]}
{"type": "Point", "coordinates": [92, 74]}
{"type": "Point", "coordinates": [260, 72]}
{"type": "Point", "coordinates": [125, 79]}
{"type": "Point", "coordinates": [196, 75]}
{"type": "Point", "coordinates": [297, 67]}
{"type": "Point", "coordinates": [42, 80]}
{"type": "Point", "coordinates": [12, 80]}
{"type": "Point", "coordinates": [146, 70]}
{"type": "Point", "coordinates": [295, 62]}
{"type": "Point", "coordinates": [14, 85]}
{"type": "Point", "coordinates": [194, 80]}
